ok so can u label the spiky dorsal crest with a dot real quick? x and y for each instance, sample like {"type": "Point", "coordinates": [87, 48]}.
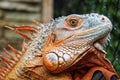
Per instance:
{"type": "Point", "coordinates": [23, 28]}
{"type": "Point", "coordinates": [8, 62]}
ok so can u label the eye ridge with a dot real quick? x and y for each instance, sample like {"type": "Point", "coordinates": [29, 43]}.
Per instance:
{"type": "Point", "coordinates": [73, 22]}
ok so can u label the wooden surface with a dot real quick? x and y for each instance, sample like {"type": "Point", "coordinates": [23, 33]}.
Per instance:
{"type": "Point", "coordinates": [21, 12]}
{"type": "Point", "coordinates": [47, 10]}
{"type": "Point", "coordinates": [26, 10]}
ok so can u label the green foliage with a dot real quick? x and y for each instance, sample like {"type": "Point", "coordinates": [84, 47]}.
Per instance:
{"type": "Point", "coordinates": [110, 8]}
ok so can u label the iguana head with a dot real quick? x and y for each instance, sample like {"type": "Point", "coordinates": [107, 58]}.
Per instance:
{"type": "Point", "coordinates": [75, 24]}
{"type": "Point", "coordinates": [71, 37]}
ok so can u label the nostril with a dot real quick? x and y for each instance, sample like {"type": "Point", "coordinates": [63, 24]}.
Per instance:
{"type": "Point", "coordinates": [102, 19]}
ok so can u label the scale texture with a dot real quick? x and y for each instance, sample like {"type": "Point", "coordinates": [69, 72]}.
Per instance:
{"type": "Point", "coordinates": [67, 48]}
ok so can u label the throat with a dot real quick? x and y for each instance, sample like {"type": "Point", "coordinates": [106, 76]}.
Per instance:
{"type": "Point", "coordinates": [99, 44]}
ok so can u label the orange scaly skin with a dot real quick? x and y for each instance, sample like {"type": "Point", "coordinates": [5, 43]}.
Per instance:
{"type": "Point", "coordinates": [63, 49]}
{"type": "Point", "coordinates": [20, 68]}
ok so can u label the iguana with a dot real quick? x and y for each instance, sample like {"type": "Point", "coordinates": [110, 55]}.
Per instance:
{"type": "Point", "coordinates": [67, 48]}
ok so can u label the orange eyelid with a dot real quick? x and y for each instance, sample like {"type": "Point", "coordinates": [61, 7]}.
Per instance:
{"type": "Point", "coordinates": [77, 18]}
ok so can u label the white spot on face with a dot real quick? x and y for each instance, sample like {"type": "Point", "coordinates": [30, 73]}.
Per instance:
{"type": "Point", "coordinates": [52, 57]}
{"type": "Point", "coordinates": [61, 61]}
{"type": "Point", "coordinates": [64, 51]}
{"type": "Point", "coordinates": [60, 54]}
{"type": "Point", "coordinates": [72, 55]}
{"type": "Point", "coordinates": [66, 57]}
{"type": "Point", "coordinates": [50, 61]}
{"type": "Point", "coordinates": [69, 53]}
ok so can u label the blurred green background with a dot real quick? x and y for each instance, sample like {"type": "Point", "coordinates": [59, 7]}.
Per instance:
{"type": "Point", "coordinates": [110, 8]}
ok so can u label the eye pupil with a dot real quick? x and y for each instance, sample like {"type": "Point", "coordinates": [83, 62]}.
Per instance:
{"type": "Point", "coordinates": [73, 22]}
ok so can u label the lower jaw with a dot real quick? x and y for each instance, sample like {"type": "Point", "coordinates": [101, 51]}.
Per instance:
{"type": "Point", "coordinates": [79, 58]}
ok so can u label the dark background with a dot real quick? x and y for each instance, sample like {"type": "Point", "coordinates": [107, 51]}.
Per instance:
{"type": "Point", "coordinates": [109, 8]}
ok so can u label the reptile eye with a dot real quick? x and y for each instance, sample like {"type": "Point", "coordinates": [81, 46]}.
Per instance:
{"type": "Point", "coordinates": [73, 22]}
